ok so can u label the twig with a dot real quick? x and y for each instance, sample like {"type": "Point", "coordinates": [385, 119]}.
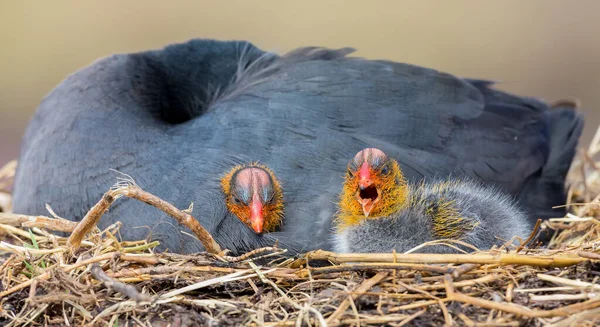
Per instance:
{"type": "Point", "coordinates": [415, 305]}
{"type": "Point", "coordinates": [8, 170]}
{"type": "Point", "coordinates": [183, 218]}
{"type": "Point", "coordinates": [5, 201]}
{"type": "Point", "coordinates": [93, 216]}
{"type": "Point", "coordinates": [90, 220]}
{"type": "Point", "coordinates": [213, 281]}
{"type": "Point", "coordinates": [23, 250]}
{"type": "Point", "coordinates": [578, 317]}
{"type": "Point", "coordinates": [562, 297]}
{"type": "Point", "coordinates": [372, 266]}
{"type": "Point", "coordinates": [531, 236]}
{"type": "Point", "coordinates": [568, 282]}
{"type": "Point", "coordinates": [464, 268]}
{"type": "Point", "coordinates": [589, 255]}
{"type": "Point", "coordinates": [545, 289]}
{"type": "Point", "coordinates": [61, 225]}
{"type": "Point", "coordinates": [265, 280]}
{"type": "Point", "coordinates": [447, 317]}
{"type": "Point", "coordinates": [481, 280]}
{"type": "Point", "coordinates": [168, 269]}
{"type": "Point", "coordinates": [247, 255]}
{"type": "Point", "coordinates": [524, 311]}
{"type": "Point", "coordinates": [364, 287]}
{"type": "Point", "coordinates": [122, 288]}
{"type": "Point", "coordinates": [501, 259]}
{"type": "Point", "coordinates": [411, 317]}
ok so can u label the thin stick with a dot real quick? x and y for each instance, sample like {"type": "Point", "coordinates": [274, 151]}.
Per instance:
{"type": "Point", "coordinates": [90, 220]}
{"type": "Point", "coordinates": [364, 287]}
{"type": "Point", "coordinates": [546, 289]}
{"type": "Point", "coordinates": [568, 282]}
{"type": "Point", "coordinates": [531, 236]}
{"type": "Point", "coordinates": [133, 191]}
{"type": "Point", "coordinates": [523, 311]}
{"type": "Point", "coordinates": [411, 317]}
{"type": "Point", "coordinates": [589, 255]}
{"type": "Point", "coordinates": [372, 266]}
{"type": "Point", "coordinates": [5, 201]}
{"type": "Point", "coordinates": [23, 250]}
{"type": "Point", "coordinates": [8, 170]}
{"type": "Point", "coordinates": [562, 297]}
{"type": "Point", "coordinates": [500, 259]}
{"type": "Point", "coordinates": [265, 280]}
{"type": "Point", "coordinates": [254, 252]}
{"type": "Point", "coordinates": [61, 225]}
{"type": "Point", "coordinates": [574, 319]}
{"type": "Point", "coordinates": [464, 268]}
{"type": "Point", "coordinates": [447, 317]}
{"type": "Point", "coordinates": [416, 305]}
{"type": "Point", "coordinates": [183, 218]}
{"type": "Point", "coordinates": [223, 279]}
{"type": "Point", "coordinates": [471, 282]}
{"type": "Point", "coordinates": [122, 288]}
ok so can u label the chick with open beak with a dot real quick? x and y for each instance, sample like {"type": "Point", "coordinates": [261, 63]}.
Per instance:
{"type": "Point", "coordinates": [253, 194]}
{"type": "Point", "coordinates": [374, 187]}
{"type": "Point", "coordinates": [380, 212]}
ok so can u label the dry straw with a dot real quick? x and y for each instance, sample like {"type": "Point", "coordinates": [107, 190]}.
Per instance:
{"type": "Point", "coordinates": [93, 279]}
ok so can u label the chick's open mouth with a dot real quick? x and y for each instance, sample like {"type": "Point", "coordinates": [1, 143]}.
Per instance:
{"type": "Point", "coordinates": [370, 192]}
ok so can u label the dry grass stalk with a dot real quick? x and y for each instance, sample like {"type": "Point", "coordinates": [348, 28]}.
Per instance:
{"type": "Point", "coordinates": [360, 290]}
{"type": "Point", "coordinates": [53, 224]}
{"type": "Point", "coordinates": [7, 173]}
{"type": "Point", "coordinates": [484, 258]}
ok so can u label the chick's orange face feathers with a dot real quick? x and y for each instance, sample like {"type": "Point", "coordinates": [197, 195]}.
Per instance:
{"type": "Point", "coordinates": [253, 194]}
{"type": "Point", "coordinates": [374, 187]}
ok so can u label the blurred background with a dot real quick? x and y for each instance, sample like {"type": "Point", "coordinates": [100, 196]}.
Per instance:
{"type": "Point", "coordinates": [547, 49]}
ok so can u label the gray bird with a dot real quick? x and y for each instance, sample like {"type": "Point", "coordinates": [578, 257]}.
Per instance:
{"type": "Point", "coordinates": [176, 118]}
{"type": "Point", "coordinates": [380, 212]}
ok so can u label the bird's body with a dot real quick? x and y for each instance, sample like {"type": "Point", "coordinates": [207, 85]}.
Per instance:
{"type": "Point", "coordinates": [443, 210]}
{"type": "Point", "coordinates": [175, 119]}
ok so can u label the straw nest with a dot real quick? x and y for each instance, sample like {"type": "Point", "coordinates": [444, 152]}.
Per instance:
{"type": "Point", "coordinates": [91, 278]}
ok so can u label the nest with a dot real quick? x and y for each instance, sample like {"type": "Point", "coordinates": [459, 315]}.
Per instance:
{"type": "Point", "coordinates": [90, 278]}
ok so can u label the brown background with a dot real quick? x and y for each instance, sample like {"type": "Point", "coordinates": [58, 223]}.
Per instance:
{"type": "Point", "coordinates": [548, 49]}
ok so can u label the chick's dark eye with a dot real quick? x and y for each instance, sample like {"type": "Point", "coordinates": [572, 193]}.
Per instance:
{"type": "Point", "coordinates": [270, 197]}
{"type": "Point", "coordinates": [385, 170]}
{"type": "Point", "coordinates": [236, 200]}
{"type": "Point", "coordinates": [349, 172]}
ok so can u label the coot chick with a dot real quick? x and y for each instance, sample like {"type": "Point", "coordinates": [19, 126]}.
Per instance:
{"type": "Point", "coordinates": [254, 195]}
{"type": "Point", "coordinates": [381, 212]}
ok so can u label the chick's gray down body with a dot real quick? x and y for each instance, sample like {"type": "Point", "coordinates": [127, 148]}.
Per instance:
{"type": "Point", "coordinates": [488, 217]}
{"type": "Point", "coordinates": [177, 118]}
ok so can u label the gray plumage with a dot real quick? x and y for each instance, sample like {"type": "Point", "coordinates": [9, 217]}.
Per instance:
{"type": "Point", "coordinates": [177, 118]}
{"type": "Point", "coordinates": [490, 218]}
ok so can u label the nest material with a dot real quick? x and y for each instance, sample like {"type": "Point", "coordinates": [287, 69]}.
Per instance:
{"type": "Point", "coordinates": [93, 279]}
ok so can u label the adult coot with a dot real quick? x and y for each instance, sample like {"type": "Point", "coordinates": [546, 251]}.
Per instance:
{"type": "Point", "coordinates": [176, 118]}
